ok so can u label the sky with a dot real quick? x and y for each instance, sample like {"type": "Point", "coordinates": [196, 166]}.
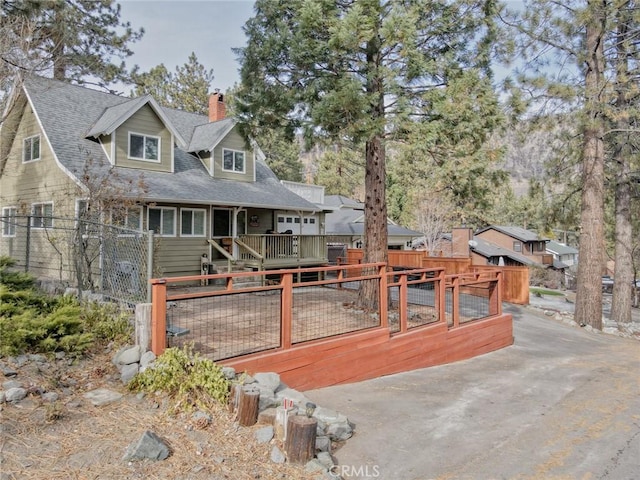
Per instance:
{"type": "Point", "coordinates": [175, 28]}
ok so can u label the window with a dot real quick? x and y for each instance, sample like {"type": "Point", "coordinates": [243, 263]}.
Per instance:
{"type": "Point", "coordinates": [42, 215]}
{"type": "Point", "coordinates": [517, 246]}
{"type": "Point", "coordinates": [233, 161]}
{"type": "Point", "coordinates": [192, 222]}
{"type": "Point", "coordinates": [129, 217]}
{"type": "Point", "coordinates": [162, 220]}
{"type": "Point", "coordinates": [9, 221]}
{"type": "Point", "coordinates": [144, 147]}
{"type": "Point", "coordinates": [31, 149]}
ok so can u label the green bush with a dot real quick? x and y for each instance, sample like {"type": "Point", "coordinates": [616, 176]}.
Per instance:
{"type": "Point", "coordinates": [33, 322]}
{"type": "Point", "coordinates": [190, 380]}
{"type": "Point", "coordinates": [14, 280]}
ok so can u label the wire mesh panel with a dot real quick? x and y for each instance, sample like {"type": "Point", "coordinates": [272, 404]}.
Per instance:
{"type": "Point", "coordinates": [226, 326]}
{"type": "Point", "coordinates": [473, 304]}
{"type": "Point", "coordinates": [420, 302]}
{"type": "Point", "coordinates": [79, 253]}
{"type": "Point", "coordinates": [325, 311]}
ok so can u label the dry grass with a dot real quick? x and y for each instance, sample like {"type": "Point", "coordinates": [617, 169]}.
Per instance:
{"type": "Point", "coordinates": [72, 439]}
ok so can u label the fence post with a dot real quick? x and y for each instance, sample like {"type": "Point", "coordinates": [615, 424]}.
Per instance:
{"type": "Point", "coordinates": [158, 315]}
{"type": "Point", "coordinates": [383, 296]}
{"type": "Point", "coordinates": [27, 244]}
{"type": "Point", "coordinates": [286, 310]}
{"type": "Point", "coordinates": [149, 263]}
{"type": "Point", "coordinates": [495, 295]}
{"type": "Point", "coordinates": [403, 301]}
{"type": "Point", "coordinates": [441, 297]}
{"type": "Point", "coordinates": [455, 301]}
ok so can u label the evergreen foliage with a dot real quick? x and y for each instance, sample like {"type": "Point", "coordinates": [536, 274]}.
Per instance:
{"type": "Point", "coordinates": [190, 380]}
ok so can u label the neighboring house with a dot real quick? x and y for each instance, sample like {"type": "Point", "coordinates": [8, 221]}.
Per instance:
{"type": "Point", "coordinates": [563, 253]}
{"type": "Point", "coordinates": [190, 178]}
{"type": "Point", "coordinates": [520, 241]}
{"type": "Point", "coordinates": [346, 220]}
{"type": "Point", "coordinates": [487, 253]}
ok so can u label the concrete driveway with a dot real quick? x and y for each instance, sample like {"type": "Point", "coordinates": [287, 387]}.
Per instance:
{"type": "Point", "coordinates": [561, 403]}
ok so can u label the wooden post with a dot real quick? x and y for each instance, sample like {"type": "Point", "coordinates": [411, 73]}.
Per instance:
{"type": "Point", "coordinates": [301, 439]}
{"type": "Point", "coordinates": [143, 325]}
{"type": "Point", "coordinates": [286, 310]}
{"type": "Point", "coordinates": [158, 316]}
{"type": "Point", "coordinates": [383, 296]}
{"type": "Point", "coordinates": [234, 393]}
{"type": "Point", "coordinates": [248, 403]}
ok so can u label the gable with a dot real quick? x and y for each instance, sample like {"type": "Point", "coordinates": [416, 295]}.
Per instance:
{"type": "Point", "coordinates": [143, 123]}
{"type": "Point", "coordinates": [233, 144]}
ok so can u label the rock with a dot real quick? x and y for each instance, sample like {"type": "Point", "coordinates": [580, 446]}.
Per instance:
{"type": "Point", "coordinates": [15, 394]}
{"type": "Point", "coordinates": [50, 397]}
{"type": "Point", "coordinates": [70, 292]}
{"type": "Point", "coordinates": [267, 416]}
{"type": "Point", "coordinates": [147, 358]}
{"type": "Point", "coordinates": [269, 380]}
{"type": "Point", "coordinates": [314, 466]}
{"type": "Point", "coordinates": [266, 401]}
{"type": "Point", "coordinates": [149, 446]}
{"type": "Point", "coordinates": [127, 356]}
{"type": "Point", "coordinates": [11, 384]}
{"type": "Point", "coordinates": [329, 416]}
{"type": "Point", "coordinates": [264, 434]}
{"type": "Point", "coordinates": [9, 372]}
{"type": "Point", "coordinates": [340, 431]}
{"type": "Point", "coordinates": [38, 358]}
{"type": "Point", "coordinates": [325, 459]}
{"type": "Point", "coordinates": [128, 372]}
{"type": "Point", "coordinates": [102, 396]}
{"type": "Point", "coordinates": [323, 444]}
{"type": "Point", "coordinates": [277, 456]}
{"type": "Point", "coordinates": [60, 355]}
{"type": "Point", "coordinates": [229, 373]}
{"type": "Point", "coordinates": [247, 379]}
{"type": "Point", "coordinates": [299, 400]}
{"type": "Point", "coordinates": [2, 397]}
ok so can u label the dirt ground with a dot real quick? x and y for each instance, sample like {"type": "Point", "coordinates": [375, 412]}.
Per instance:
{"type": "Point", "coordinates": [72, 439]}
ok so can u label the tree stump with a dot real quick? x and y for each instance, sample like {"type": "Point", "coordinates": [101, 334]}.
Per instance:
{"type": "Point", "coordinates": [248, 403]}
{"type": "Point", "coordinates": [301, 439]}
{"type": "Point", "coordinates": [234, 395]}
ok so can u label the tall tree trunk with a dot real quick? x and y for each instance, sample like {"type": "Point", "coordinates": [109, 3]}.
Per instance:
{"type": "Point", "coordinates": [375, 205]}
{"type": "Point", "coordinates": [623, 277]}
{"type": "Point", "coordinates": [588, 309]}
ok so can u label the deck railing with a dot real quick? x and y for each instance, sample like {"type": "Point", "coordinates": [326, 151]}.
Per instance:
{"type": "Point", "coordinates": [282, 248]}
{"type": "Point", "coordinates": [229, 318]}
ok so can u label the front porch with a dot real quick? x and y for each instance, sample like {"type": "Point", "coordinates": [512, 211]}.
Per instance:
{"type": "Point", "coordinates": [271, 251]}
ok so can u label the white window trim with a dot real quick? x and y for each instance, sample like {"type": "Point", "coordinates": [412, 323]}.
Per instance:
{"type": "Point", "coordinates": [244, 161]}
{"type": "Point", "coordinates": [24, 146]}
{"type": "Point", "coordinates": [204, 226]}
{"type": "Point", "coordinates": [144, 135]}
{"type": "Point", "coordinates": [175, 223]}
{"type": "Point", "coordinates": [7, 215]}
{"type": "Point", "coordinates": [126, 218]}
{"type": "Point", "coordinates": [38, 227]}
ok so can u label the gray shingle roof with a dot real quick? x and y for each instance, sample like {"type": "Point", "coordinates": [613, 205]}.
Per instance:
{"type": "Point", "coordinates": [67, 112]}
{"type": "Point", "coordinates": [489, 250]}
{"type": "Point", "coordinates": [518, 233]}
{"type": "Point", "coordinates": [560, 249]}
{"type": "Point", "coordinates": [349, 222]}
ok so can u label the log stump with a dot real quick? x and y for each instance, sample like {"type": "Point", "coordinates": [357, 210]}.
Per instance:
{"type": "Point", "coordinates": [301, 439]}
{"type": "Point", "coordinates": [248, 403]}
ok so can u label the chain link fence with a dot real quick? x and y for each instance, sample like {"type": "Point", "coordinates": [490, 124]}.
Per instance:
{"type": "Point", "coordinates": [76, 253]}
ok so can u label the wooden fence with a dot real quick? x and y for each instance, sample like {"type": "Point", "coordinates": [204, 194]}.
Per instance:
{"type": "Point", "coordinates": [515, 279]}
{"type": "Point", "coordinates": [442, 326]}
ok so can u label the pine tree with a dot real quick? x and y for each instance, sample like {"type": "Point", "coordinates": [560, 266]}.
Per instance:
{"type": "Point", "coordinates": [359, 72]}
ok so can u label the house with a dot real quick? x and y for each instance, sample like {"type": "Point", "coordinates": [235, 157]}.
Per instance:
{"type": "Point", "coordinates": [192, 179]}
{"type": "Point", "coordinates": [519, 242]}
{"type": "Point", "coordinates": [346, 221]}
{"type": "Point", "coordinates": [563, 253]}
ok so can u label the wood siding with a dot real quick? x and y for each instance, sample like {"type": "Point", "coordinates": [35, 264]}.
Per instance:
{"type": "Point", "coordinates": [38, 181]}
{"type": "Point", "coordinates": [146, 122]}
{"type": "Point", "coordinates": [234, 141]}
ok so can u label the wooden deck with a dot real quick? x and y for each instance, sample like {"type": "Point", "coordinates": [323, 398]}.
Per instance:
{"type": "Point", "coordinates": [307, 357]}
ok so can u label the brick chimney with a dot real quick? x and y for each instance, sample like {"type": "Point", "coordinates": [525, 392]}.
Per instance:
{"type": "Point", "coordinates": [217, 108]}
{"type": "Point", "coordinates": [460, 238]}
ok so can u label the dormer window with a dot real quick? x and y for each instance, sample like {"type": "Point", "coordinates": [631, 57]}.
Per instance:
{"type": "Point", "coordinates": [31, 149]}
{"type": "Point", "coordinates": [144, 147]}
{"type": "Point", "coordinates": [233, 161]}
